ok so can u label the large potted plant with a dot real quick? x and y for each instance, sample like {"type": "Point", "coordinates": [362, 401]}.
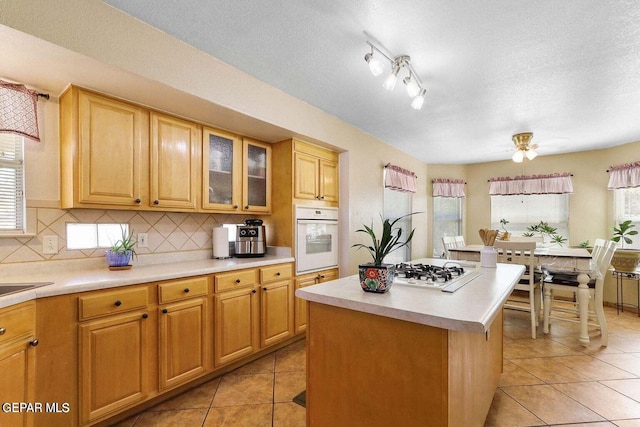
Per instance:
{"type": "Point", "coordinates": [120, 254]}
{"type": "Point", "coordinates": [377, 276]}
{"type": "Point", "coordinates": [625, 259]}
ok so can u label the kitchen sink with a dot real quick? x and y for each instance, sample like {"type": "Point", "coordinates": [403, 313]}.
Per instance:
{"type": "Point", "coordinates": [11, 288]}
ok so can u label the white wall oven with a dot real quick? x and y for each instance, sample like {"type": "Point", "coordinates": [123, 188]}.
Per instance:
{"type": "Point", "coordinates": [316, 244]}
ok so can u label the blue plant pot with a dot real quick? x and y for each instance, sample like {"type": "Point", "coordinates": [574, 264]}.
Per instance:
{"type": "Point", "coordinates": [376, 278]}
{"type": "Point", "coordinates": [118, 259]}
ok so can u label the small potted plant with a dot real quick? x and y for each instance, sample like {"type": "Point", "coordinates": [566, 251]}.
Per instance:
{"type": "Point", "coordinates": [120, 254]}
{"type": "Point", "coordinates": [625, 259]}
{"type": "Point", "coordinates": [505, 234]}
{"type": "Point", "coordinates": [377, 276]}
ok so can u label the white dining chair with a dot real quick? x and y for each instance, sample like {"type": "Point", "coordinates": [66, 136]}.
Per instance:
{"type": "Point", "coordinates": [459, 240]}
{"type": "Point", "coordinates": [448, 242]}
{"type": "Point", "coordinates": [602, 253]}
{"type": "Point", "coordinates": [523, 253]}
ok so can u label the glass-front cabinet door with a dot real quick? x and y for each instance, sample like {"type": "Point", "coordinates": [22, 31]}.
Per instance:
{"type": "Point", "coordinates": [256, 177]}
{"type": "Point", "coordinates": [222, 170]}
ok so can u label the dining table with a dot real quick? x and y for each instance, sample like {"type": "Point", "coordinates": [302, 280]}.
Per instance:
{"type": "Point", "coordinates": [552, 259]}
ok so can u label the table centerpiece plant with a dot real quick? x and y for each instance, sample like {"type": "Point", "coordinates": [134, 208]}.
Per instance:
{"type": "Point", "coordinates": [625, 259]}
{"type": "Point", "coordinates": [377, 276]}
{"type": "Point", "coordinates": [120, 254]}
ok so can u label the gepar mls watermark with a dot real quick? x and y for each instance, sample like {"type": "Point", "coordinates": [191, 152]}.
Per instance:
{"type": "Point", "coordinates": [19, 407]}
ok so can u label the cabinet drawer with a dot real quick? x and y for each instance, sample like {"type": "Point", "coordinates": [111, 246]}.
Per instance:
{"type": "Point", "coordinates": [235, 280]}
{"type": "Point", "coordinates": [277, 272]}
{"type": "Point", "coordinates": [16, 321]}
{"type": "Point", "coordinates": [112, 302]}
{"type": "Point", "coordinates": [182, 289]}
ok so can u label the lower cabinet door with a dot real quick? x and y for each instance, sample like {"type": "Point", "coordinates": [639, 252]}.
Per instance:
{"type": "Point", "coordinates": [17, 385]}
{"type": "Point", "coordinates": [114, 360]}
{"type": "Point", "coordinates": [276, 312]}
{"type": "Point", "coordinates": [183, 342]}
{"type": "Point", "coordinates": [236, 325]}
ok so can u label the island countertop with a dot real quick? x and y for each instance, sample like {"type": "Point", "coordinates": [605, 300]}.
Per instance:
{"type": "Point", "coordinates": [471, 308]}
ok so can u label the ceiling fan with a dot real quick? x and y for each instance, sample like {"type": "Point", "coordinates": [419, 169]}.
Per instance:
{"type": "Point", "coordinates": [524, 148]}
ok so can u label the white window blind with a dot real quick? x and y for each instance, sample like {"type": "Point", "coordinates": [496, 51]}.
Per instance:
{"type": "Point", "coordinates": [12, 201]}
{"type": "Point", "coordinates": [397, 204]}
{"type": "Point", "coordinates": [523, 211]}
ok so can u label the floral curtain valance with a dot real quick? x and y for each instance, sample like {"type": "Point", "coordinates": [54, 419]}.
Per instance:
{"type": "Point", "coordinates": [557, 183]}
{"type": "Point", "coordinates": [448, 188]}
{"type": "Point", "coordinates": [18, 110]}
{"type": "Point", "coordinates": [399, 179]}
{"type": "Point", "coordinates": [626, 175]}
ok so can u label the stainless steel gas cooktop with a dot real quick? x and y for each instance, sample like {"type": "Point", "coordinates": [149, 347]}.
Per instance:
{"type": "Point", "coordinates": [447, 278]}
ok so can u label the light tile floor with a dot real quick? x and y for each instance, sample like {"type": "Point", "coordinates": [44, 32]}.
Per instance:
{"type": "Point", "coordinates": [552, 380]}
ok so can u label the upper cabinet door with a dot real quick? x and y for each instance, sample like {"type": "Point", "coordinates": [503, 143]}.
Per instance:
{"type": "Point", "coordinates": [256, 176]}
{"type": "Point", "coordinates": [175, 165]}
{"type": "Point", "coordinates": [329, 189]}
{"type": "Point", "coordinates": [222, 170]}
{"type": "Point", "coordinates": [306, 177]}
{"type": "Point", "coordinates": [110, 151]}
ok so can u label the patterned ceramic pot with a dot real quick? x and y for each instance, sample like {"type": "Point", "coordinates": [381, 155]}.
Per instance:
{"type": "Point", "coordinates": [376, 278]}
{"type": "Point", "coordinates": [626, 260]}
{"type": "Point", "coordinates": [118, 259]}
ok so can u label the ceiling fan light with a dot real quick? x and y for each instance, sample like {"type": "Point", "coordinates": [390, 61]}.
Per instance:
{"type": "Point", "coordinates": [376, 66]}
{"type": "Point", "coordinates": [418, 101]}
{"type": "Point", "coordinates": [412, 86]}
{"type": "Point", "coordinates": [518, 156]}
{"type": "Point", "coordinates": [530, 154]}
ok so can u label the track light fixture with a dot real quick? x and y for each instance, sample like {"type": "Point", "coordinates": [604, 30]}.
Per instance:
{"type": "Point", "coordinates": [401, 63]}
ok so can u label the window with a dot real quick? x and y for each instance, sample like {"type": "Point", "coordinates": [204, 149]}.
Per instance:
{"type": "Point", "coordinates": [93, 236]}
{"type": "Point", "coordinates": [522, 211]}
{"type": "Point", "coordinates": [397, 204]}
{"type": "Point", "coordinates": [447, 221]}
{"type": "Point", "coordinates": [12, 199]}
{"type": "Point", "coordinates": [627, 206]}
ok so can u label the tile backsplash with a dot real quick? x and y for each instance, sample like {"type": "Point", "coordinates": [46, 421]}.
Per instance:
{"type": "Point", "coordinates": [168, 232]}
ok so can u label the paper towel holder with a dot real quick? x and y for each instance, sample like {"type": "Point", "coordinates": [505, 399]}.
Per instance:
{"type": "Point", "coordinates": [220, 250]}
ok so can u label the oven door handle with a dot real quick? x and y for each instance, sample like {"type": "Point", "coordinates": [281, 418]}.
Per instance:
{"type": "Point", "coordinates": [318, 221]}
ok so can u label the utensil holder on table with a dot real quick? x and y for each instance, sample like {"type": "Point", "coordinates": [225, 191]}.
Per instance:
{"type": "Point", "coordinates": [488, 257]}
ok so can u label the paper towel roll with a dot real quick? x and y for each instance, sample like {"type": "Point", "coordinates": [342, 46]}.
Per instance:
{"type": "Point", "coordinates": [220, 239]}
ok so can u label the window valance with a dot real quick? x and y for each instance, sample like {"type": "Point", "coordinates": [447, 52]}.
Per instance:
{"type": "Point", "coordinates": [448, 187]}
{"type": "Point", "coordinates": [626, 175]}
{"type": "Point", "coordinates": [557, 183]}
{"type": "Point", "coordinates": [18, 110]}
{"type": "Point", "coordinates": [399, 179]}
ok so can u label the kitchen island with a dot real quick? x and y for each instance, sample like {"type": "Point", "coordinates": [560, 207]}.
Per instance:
{"type": "Point", "coordinates": [411, 356]}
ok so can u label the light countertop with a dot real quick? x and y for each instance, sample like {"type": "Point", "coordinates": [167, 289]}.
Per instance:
{"type": "Point", "coordinates": [471, 308]}
{"type": "Point", "coordinates": [71, 280]}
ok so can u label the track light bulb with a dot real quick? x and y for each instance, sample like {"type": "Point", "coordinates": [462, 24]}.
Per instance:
{"type": "Point", "coordinates": [390, 82]}
{"type": "Point", "coordinates": [418, 101]}
{"type": "Point", "coordinates": [412, 87]}
{"type": "Point", "coordinates": [376, 66]}
{"type": "Point", "coordinates": [518, 156]}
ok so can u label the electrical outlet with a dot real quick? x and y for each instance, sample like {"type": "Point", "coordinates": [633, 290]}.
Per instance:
{"type": "Point", "coordinates": [50, 245]}
{"type": "Point", "coordinates": [142, 240]}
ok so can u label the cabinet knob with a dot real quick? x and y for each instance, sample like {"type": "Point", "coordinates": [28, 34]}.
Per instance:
{"type": "Point", "coordinates": [34, 343]}
{"type": "Point", "coordinates": [165, 311]}
{"type": "Point", "coordinates": [265, 289]}
{"type": "Point", "coordinates": [186, 290]}
{"type": "Point", "coordinates": [317, 197]}
{"type": "Point", "coordinates": [138, 201]}
{"type": "Point", "coordinates": [235, 206]}
{"type": "Point", "coordinates": [253, 291]}
{"type": "Point", "coordinates": [237, 280]}
{"type": "Point", "coordinates": [2, 331]}
{"type": "Point", "coordinates": [118, 303]}
{"type": "Point", "coordinates": [321, 197]}
{"type": "Point", "coordinates": [278, 273]}
{"type": "Point", "coordinates": [246, 207]}
{"type": "Point", "coordinates": [145, 315]}
{"type": "Point", "coordinates": [156, 202]}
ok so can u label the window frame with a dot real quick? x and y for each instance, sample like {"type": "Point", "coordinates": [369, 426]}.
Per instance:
{"type": "Point", "coordinates": [14, 188]}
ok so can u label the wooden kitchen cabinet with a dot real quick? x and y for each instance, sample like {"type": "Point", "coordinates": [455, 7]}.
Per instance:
{"type": "Point", "coordinates": [114, 356]}
{"type": "Point", "coordinates": [17, 361]}
{"type": "Point", "coordinates": [183, 324]}
{"type": "Point", "coordinates": [315, 173]}
{"type": "Point", "coordinates": [256, 176]}
{"type": "Point", "coordinates": [236, 316]}
{"type": "Point", "coordinates": [276, 304]}
{"type": "Point", "coordinates": [175, 163]}
{"type": "Point", "coordinates": [302, 281]}
{"type": "Point", "coordinates": [103, 151]}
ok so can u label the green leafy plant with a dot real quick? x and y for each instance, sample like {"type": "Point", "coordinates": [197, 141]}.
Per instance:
{"type": "Point", "coordinates": [389, 241]}
{"type": "Point", "coordinates": [558, 239]}
{"type": "Point", "coordinates": [503, 223]}
{"type": "Point", "coordinates": [125, 243]}
{"type": "Point", "coordinates": [584, 244]}
{"type": "Point", "coordinates": [544, 229]}
{"type": "Point", "coordinates": [622, 232]}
